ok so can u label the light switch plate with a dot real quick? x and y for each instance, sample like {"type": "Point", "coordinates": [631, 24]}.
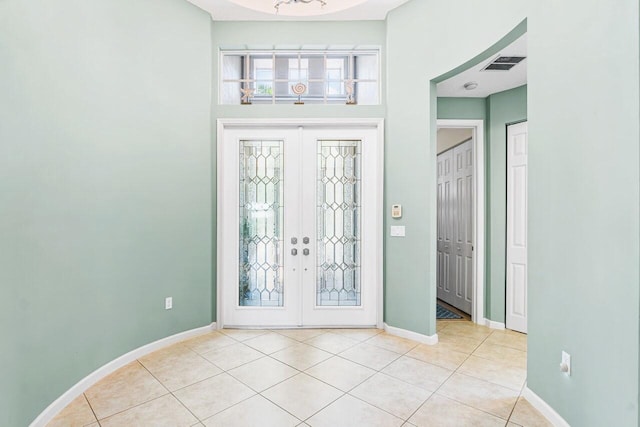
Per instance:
{"type": "Point", "coordinates": [397, 231]}
{"type": "Point", "coordinates": [565, 365]}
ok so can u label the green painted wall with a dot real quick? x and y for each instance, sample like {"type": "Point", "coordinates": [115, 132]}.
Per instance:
{"type": "Point", "coordinates": [583, 208]}
{"type": "Point", "coordinates": [462, 108]}
{"type": "Point", "coordinates": [502, 109]}
{"type": "Point", "coordinates": [498, 110]}
{"type": "Point", "coordinates": [420, 26]}
{"type": "Point", "coordinates": [105, 187]}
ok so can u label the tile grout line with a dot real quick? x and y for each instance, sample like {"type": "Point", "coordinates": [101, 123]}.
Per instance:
{"type": "Point", "coordinates": [332, 386]}
{"type": "Point", "coordinates": [480, 379]}
{"type": "Point", "coordinates": [514, 406]}
{"type": "Point", "coordinates": [90, 407]}
{"type": "Point", "coordinates": [449, 377]}
{"type": "Point", "coordinates": [380, 371]}
{"type": "Point", "coordinates": [171, 392]}
{"type": "Point", "coordinates": [223, 371]}
{"type": "Point", "coordinates": [259, 393]}
{"type": "Point", "coordinates": [138, 404]}
{"type": "Point", "coordinates": [377, 371]}
{"type": "Point", "coordinates": [271, 386]}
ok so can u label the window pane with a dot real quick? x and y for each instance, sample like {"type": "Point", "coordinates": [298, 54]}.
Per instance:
{"type": "Point", "coordinates": [261, 67]}
{"type": "Point", "coordinates": [263, 88]}
{"type": "Point", "coordinates": [314, 66]}
{"type": "Point", "coordinates": [261, 224]}
{"type": "Point", "coordinates": [299, 70]}
{"type": "Point", "coordinates": [335, 89]}
{"type": "Point", "coordinates": [315, 90]}
{"type": "Point", "coordinates": [230, 93]}
{"type": "Point", "coordinates": [283, 64]}
{"type": "Point", "coordinates": [366, 93]}
{"type": "Point", "coordinates": [338, 213]}
{"type": "Point", "coordinates": [232, 67]}
{"type": "Point", "coordinates": [366, 67]}
{"type": "Point", "coordinates": [337, 67]}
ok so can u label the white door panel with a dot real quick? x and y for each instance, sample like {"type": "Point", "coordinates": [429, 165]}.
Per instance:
{"type": "Point", "coordinates": [516, 316]}
{"type": "Point", "coordinates": [455, 226]}
{"type": "Point", "coordinates": [248, 225]}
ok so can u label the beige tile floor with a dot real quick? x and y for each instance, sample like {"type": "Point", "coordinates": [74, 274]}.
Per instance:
{"type": "Point", "coordinates": [473, 377]}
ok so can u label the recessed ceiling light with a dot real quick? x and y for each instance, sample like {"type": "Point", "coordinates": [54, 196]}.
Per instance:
{"type": "Point", "coordinates": [470, 85]}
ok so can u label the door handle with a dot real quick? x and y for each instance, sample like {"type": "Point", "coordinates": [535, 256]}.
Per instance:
{"type": "Point", "coordinates": [294, 252]}
{"type": "Point", "coordinates": [305, 251]}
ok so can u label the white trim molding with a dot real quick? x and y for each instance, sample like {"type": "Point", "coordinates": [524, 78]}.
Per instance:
{"type": "Point", "coordinates": [544, 408]}
{"type": "Point", "coordinates": [403, 333]}
{"type": "Point", "coordinates": [477, 126]}
{"type": "Point", "coordinates": [67, 397]}
{"type": "Point", "coordinates": [224, 124]}
{"type": "Point", "coordinates": [494, 325]}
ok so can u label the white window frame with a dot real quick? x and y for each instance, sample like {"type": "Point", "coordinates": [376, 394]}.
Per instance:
{"type": "Point", "coordinates": [326, 98]}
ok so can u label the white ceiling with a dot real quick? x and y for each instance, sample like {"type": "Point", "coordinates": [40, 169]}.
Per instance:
{"type": "Point", "coordinates": [263, 10]}
{"type": "Point", "coordinates": [489, 82]}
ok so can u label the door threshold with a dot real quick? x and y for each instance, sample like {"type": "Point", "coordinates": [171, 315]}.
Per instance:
{"type": "Point", "coordinates": [300, 327]}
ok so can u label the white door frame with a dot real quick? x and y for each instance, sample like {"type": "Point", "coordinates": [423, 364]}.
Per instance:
{"type": "Point", "coordinates": [477, 126]}
{"type": "Point", "coordinates": [224, 124]}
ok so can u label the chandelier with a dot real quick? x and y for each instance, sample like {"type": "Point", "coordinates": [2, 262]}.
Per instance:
{"type": "Point", "coordinates": [278, 3]}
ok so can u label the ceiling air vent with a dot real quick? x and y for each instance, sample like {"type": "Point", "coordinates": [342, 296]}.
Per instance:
{"type": "Point", "coordinates": [504, 63]}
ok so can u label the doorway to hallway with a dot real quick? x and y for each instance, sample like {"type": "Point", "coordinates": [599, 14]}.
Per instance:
{"type": "Point", "coordinates": [460, 216]}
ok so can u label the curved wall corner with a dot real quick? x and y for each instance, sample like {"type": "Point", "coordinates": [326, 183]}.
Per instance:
{"type": "Point", "coordinates": [67, 397]}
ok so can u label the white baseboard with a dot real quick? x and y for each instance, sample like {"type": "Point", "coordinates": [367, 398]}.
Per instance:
{"type": "Point", "coordinates": [60, 403]}
{"type": "Point", "coordinates": [403, 333]}
{"type": "Point", "coordinates": [494, 325]}
{"type": "Point", "coordinates": [544, 408]}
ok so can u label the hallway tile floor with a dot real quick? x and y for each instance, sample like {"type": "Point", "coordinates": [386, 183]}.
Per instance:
{"type": "Point", "coordinates": [318, 377]}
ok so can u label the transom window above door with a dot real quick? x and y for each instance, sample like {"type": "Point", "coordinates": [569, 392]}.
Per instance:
{"type": "Point", "coordinates": [329, 77]}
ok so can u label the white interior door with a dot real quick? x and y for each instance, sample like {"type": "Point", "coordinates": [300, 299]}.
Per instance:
{"type": "Point", "coordinates": [517, 149]}
{"type": "Point", "coordinates": [455, 226]}
{"type": "Point", "coordinates": [445, 226]}
{"type": "Point", "coordinates": [299, 224]}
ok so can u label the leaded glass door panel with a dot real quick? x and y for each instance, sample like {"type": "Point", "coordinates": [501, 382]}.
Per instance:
{"type": "Point", "coordinates": [340, 203]}
{"type": "Point", "coordinates": [299, 222]}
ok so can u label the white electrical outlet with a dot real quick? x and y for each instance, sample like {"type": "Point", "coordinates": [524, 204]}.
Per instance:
{"type": "Point", "coordinates": [565, 365]}
{"type": "Point", "coordinates": [168, 303]}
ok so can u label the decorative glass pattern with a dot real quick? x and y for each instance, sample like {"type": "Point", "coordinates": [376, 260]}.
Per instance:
{"type": "Point", "coordinates": [261, 224]}
{"type": "Point", "coordinates": [338, 213]}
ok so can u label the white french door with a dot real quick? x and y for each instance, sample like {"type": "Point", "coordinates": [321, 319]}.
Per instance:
{"type": "Point", "coordinates": [517, 152]}
{"type": "Point", "coordinates": [300, 232]}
